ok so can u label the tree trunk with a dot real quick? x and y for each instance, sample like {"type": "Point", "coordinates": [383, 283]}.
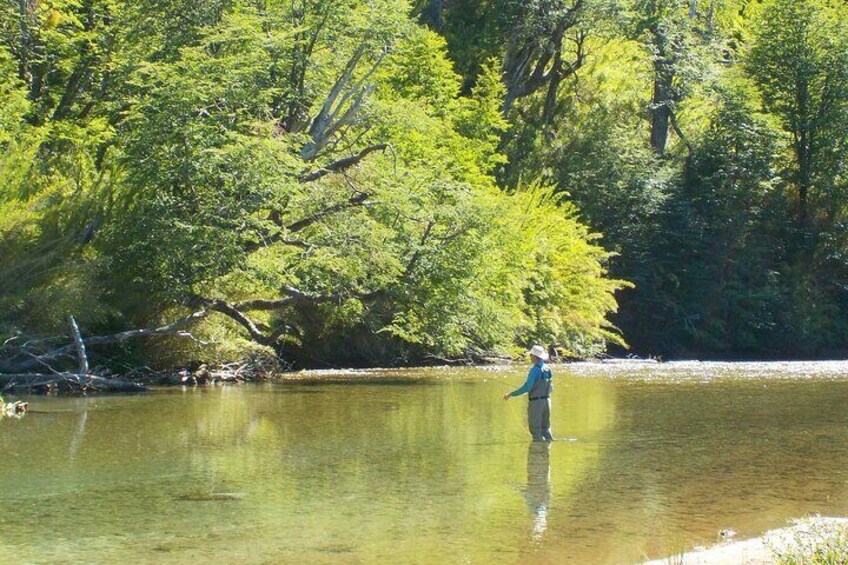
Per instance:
{"type": "Point", "coordinates": [432, 15]}
{"type": "Point", "coordinates": [532, 63]}
{"type": "Point", "coordinates": [803, 150]}
{"type": "Point", "coordinates": [660, 116]}
{"type": "Point", "coordinates": [23, 62]}
{"type": "Point", "coordinates": [663, 95]}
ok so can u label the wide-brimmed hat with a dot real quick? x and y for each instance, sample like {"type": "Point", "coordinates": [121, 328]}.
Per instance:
{"type": "Point", "coordinates": [539, 351]}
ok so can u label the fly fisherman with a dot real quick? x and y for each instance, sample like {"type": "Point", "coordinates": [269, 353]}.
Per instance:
{"type": "Point", "coordinates": [538, 387]}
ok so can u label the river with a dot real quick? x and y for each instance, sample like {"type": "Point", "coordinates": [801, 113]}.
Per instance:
{"type": "Point", "coordinates": [426, 466]}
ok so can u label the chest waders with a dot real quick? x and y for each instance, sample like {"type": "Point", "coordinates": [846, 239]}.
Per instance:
{"type": "Point", "coordinates": [539, 408]}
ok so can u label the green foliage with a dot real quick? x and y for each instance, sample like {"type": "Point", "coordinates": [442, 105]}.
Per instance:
{"type": "Point", "coordinates": [814, 542]}
{"type": "Point", "coordinates": [199, 164]}
{"type": "Point", "coordinates": [48, 176]}
{"type": "Point", "coordinates": [333, 183]}
{"type": "Point", "coordinates": [728, 292]}
{"type": "Point", "coordinates": [309, 172]}
{"type": "Point", "coordinates": [799, 59]}
{"type": "Point", "coordinates": [703, 225]}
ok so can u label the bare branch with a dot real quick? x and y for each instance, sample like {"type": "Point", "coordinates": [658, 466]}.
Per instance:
{"type": "Point", "coordinates": [322, 120]}
{"type": "Point", "coordinates": [234, 313]}
{"type": "Point", "coordinates": [345, 97]}
{"type": "Point", "coordinates": [360, 88]}
{"type": "Point", "coordinates": [80, 347]}
{"type": "Point", "coordinates": [37, 360]}
{"type": "Point", "coordinates": [169, 329]}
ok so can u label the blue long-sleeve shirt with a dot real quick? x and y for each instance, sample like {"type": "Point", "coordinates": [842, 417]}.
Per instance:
{"type": "Point", "coordinates": [537, 372]}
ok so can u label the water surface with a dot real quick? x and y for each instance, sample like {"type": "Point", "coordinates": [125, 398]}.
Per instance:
{"type": "Point", "coordinates": [426, 466]}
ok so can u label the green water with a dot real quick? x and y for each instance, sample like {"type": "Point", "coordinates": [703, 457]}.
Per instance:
{"type": "Point", "coordinates": [427, 466]}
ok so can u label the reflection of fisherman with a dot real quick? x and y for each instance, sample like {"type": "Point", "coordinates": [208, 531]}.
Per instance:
{"type": "Point", "coordinates": [538, 387]}
{"type": "Point", "coordinates": [538, 491]}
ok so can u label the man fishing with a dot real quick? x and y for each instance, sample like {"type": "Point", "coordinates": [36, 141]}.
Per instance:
{"type": "Point", "coordinates": [538, 387]}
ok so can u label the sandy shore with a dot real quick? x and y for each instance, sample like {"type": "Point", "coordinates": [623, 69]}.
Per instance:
{"type": "Point", "coordinates": [756, 551]}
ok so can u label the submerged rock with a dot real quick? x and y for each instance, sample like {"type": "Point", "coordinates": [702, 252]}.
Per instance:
{"type": "Point", "coordinates": [210, 496]}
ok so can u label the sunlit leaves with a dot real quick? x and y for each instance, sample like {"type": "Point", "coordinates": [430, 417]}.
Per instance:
{"type": "Point", "coordinates": [313, 163]}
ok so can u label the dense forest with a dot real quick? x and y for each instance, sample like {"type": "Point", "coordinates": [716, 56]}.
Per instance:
{"type": "Point", "coordinates": [342, 182]}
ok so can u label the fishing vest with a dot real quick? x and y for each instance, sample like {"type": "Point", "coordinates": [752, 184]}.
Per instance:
{"type": "Point", "coordinates": [542, 388]}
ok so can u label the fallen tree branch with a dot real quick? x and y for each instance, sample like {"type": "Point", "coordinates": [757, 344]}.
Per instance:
{"type": "Point", "coordinates": [65, 382]}
{"type": "Point", "coordinates": [37, 360]}
{"type": "Point", "coordinates": [14, 409]}
{"type": "Point", "coordinates": [80, 347]}
{"type": "Point", "coordinates": [174, 328]}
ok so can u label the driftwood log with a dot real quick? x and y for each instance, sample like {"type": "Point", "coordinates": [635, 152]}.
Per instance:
{"type": "Point", "coordinates": [17, 374]}
{"type": "Point", "coordinates": [74, 383]}
{"type": "Point", "coordinates": [14, 409]}
{"type": "Point", "coordinates": [61, 364]}
{"type": "Point", "coordinates": [18, 356]}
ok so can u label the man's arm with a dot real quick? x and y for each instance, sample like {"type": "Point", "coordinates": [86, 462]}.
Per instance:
{"type": "Point", "coordinates": [528, 384]}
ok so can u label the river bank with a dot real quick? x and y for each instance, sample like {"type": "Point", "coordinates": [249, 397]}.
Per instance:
{"type": "Point", "coordinates": [806, 537]}
{"type": "Point", "coordinates": [269, 370]}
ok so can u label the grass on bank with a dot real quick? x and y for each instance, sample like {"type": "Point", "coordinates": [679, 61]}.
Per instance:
{"type": "Point", "coordinates": [814, 542]}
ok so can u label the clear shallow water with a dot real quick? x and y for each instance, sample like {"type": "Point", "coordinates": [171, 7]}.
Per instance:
{"type": "Point", "coordinates": [426, 466]}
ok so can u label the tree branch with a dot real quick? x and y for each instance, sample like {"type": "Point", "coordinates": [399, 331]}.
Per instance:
{"type": "Point", "coordinates": [33, 360]}
{"type": "Point", "coordinates": [322, 120]}
{"type": "Point", "coordinates": [356, 200]}
{"type": "Point", "coordinates": [234, 313]}
{"type": "Point", "coordinates": [527, 66]}
{"type": "Point", "coordinates": [265, 303]}
{"type": "Point", "coordinates": [673, 119]}
{"type": "Point", "coordinates": [169, 329]}
{"type": "Point", "coordinates": [342, 164]}
{"type": "Point", "coordinates": [353, 201]}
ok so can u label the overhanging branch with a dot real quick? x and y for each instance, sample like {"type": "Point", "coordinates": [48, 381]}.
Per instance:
{"type": "Point", "coordinates": [234, 313]}
{"type": "Point", "coordinates": [342, 164]}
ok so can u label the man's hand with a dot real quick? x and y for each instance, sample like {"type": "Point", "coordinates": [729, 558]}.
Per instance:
{"type": "Point", "coordinates": [506, 396]}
